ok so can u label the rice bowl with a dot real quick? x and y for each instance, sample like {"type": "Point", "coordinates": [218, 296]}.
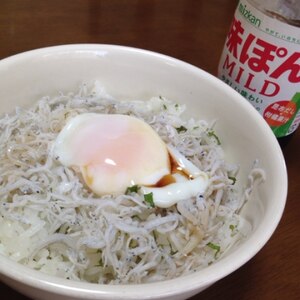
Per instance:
{"type": "Point", "coordinates": [160, 75]}
{"type": "Point", "coordinates": [77, 206]}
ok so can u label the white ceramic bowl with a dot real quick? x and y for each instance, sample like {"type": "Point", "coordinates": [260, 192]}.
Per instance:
{"type": "Point", "coordinates": [134, 73]}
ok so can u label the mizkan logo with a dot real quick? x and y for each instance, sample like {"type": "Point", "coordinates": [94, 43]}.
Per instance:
{"type": "Point", "coordinates": [248, 15]}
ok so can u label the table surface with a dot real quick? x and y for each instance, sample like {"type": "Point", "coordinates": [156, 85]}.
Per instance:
{"type": "Point", "coordinates": [190, 30]}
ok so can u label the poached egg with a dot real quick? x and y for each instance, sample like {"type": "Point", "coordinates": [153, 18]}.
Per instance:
{"type": "Point", "coordinates": [114, 152]}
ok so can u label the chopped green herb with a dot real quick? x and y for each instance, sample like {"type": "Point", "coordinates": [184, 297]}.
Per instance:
{"type": "Point", "coordinates": [132, 189]}
{"type": "Point", "coordinates": [233, 179]}
{"type": "Point", "coordinates": [211, 133]}
{"type": "Point", "coordinates": [214, 247]}
{"type": "Point", "coordinates": [100, 263]}
{"type": "Point", "coordinates": [181, 129]}
{"type": "Point", "coordinates": [176, 105]}
{"type": "Point", "coordinates": [149, 199]}
{"type": "Point", "coordinates": [232, 227]}
{"type": "Point", "coordinates": [133, 244]}
{"type": "Point", "coordinates": [165, 106]}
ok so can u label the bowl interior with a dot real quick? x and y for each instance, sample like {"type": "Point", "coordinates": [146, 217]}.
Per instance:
{"type": "Point", "coordinates": [128, 73]}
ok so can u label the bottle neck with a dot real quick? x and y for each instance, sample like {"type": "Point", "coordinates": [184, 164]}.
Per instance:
{"type": "Point", "coordinates": [286, 11]}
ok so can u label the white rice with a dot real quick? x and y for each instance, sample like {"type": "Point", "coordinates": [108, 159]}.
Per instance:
{"type": "Point", "coordinates": [51, 222]}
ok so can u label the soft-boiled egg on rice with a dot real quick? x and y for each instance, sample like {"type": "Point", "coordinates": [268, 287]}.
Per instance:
{"type": "Point", "coordinates": [116, 151]}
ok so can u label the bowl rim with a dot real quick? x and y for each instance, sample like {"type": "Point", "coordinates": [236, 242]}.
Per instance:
{"type": "Point", "coordinates": [179, 285]}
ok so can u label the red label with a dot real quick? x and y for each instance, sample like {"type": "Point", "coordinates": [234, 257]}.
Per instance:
{"type": "Point", "coordinates": [280, 112]}
{"type": "Point", "coordinates": [260, 54]}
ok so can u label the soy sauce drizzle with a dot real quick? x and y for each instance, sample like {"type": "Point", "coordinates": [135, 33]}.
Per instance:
{"type": "Point", "coordinates": [169, 178]}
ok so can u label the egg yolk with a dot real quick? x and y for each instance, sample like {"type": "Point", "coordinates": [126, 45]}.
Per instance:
{"type": "Point", "coordinates": [112, 151]}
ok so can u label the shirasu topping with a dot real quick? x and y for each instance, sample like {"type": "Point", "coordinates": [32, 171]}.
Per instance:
{"type": "Point", "coordinates": [52, 222]}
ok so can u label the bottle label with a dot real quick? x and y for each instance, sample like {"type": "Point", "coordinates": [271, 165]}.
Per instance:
{"type": "Point", "coordinates": [261, 60]}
